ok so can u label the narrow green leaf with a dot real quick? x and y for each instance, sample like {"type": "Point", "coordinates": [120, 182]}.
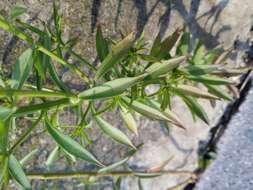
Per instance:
{"type": "Point", "coordinates": [156, 46]}
{"type": "Point", "coordinates": [118, 52]}
{"type": "Point", "coordinates": [22, 69]}
{"type": "Point", "coordinates": [170, 114]}
{"type": "Point", "coordinates": [17, 11]}
{"type": "Point", "coordinates": [4, 173]}
{"type": "Point", "coordinates": [199, 53]}
{"type": "Point", "coordinates": [145, 110]}
{"type": "Point", "coordinates": [70, 145]}
{"type": "Point", "coordinates": [193, 91]}
{"type": "Point", "coordinates": [109, 89]}
{"type": "Point", "coordinates": [53, 157]}
{"type": "Point", "coordinates": [183, 46]}
{"type": "Point", "coordinates": [161, 68]}
{"type": "Point", "coordinates": [212, 80]}
{"type": "Point", "coordinates": [113, 132]}
{"type": "Point", "coordinates": [129, 120]}
{"type": "Point", "coordinates": [218, 92]}
{"type": "Point", "coordinates": [18, 174]}
{"type": "Point", "coordinates": [199, 69]}
{"type": "Point", "coordinates": [167, 44]}
{"type": "Point", "coordinates": [24, 161]}
{"type": "Point", "coordinates": [195, 108]}
{"type": "Point", "coordinates": [101, 44]}
{"type": "Point", "coordinates": [113, 166]}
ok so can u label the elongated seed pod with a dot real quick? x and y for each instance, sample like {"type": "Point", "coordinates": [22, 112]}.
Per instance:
{"type": "Point", "coordinates": [161, 68]}
{"type": "Point", "coordinates": [109, 89]}
{"type": "Point", "coordinates": [146, 110]}
{"type": "Point", "coordinates": [193, 91]}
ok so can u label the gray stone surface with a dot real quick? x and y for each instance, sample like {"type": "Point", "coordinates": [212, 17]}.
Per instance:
{"type": "Point", "coordinates": [213, 21]}
{"type": "Point", "coordinates": [233, 167]}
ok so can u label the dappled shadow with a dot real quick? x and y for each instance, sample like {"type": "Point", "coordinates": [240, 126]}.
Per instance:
{"type": "Point", "coordinates": [190, 17]}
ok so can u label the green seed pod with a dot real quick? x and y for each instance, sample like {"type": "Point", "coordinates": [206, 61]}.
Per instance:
{"type": "Point", "coordinates": [145, 110]}
{"type": "Point", "coordinates": [109, 89]}
{"type": "Point", "coordinates": [161, 68]}
{"type": "Point", "coordinates": [193, 91]}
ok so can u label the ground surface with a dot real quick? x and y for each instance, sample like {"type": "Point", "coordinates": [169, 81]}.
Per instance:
{"type": "Point", "coordinates": [233, 167]}
{"type": "Point", "coordinates": [213, 21]}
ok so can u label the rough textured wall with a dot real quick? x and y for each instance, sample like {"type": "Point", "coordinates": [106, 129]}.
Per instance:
{"type": "Point", "coordinates": [213, 21]}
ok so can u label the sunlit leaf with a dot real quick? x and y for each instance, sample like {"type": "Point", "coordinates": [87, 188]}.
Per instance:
{"type": "Point", "coordinates": [161, 68]}
{"type": "Point", "coordinates": [145, 110]}
{"type": "Point", "coordinates": [109, 89]}
{"type": "Point", "coordinates": [70, 145]}
{"type": "Point", "coordinates": [193, 91]}
{"type": "Point", "coordinates": [113, 132]}
{"type": "Point", "coordinates": [195, 108]}
{"type": "Point", "coordinates": [213, 80]}
{"type": "Point", "coordinates": [218, 92]}
{"type": "Point", "coordinates": [129, 120]}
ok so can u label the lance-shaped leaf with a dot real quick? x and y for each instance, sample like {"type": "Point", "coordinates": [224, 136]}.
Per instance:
{"type": "Point", "coordinates": [195, 108]}
{"type": "Point", "coordinates": [161, 68]}
{"type": "Point", "coordinates": [5, 123]}
{"type": "Point", "coordinates": [70, 145]}
{"type": "Point", "coordinates": [26, 159]}
{"type": "Point", "coordinates": [128, 119]}
{"type": "Point", "coordinates": [17, 11]}
{"type": "Point", "coordinates": [109, 89]}
{"type": "Point", "coordinates": [4, 173]}
{"type": "Point", "coordinates": [207, 79]}
{"type": "Point", "coordinates": [22, 69]}
{"type": "Point", "coordinates": [113, 166]}
{"type": "Point", "coordinates": [18, 174]}
{"type": "Point", "coordinates": [170, 114]}
{"type": "Point", "coordinates": [218, 92]}
{"type": "Point", "coordinates": [117, 53]}
{"type": "Point", "coordinates": [101, 44]}
{"type": "Point", "coordinates": [53, 157]}
{"type": "Point", "coordinates": [167, 44]}
{"type": "Point", "coordinates": [229, 72]}
{"type": "Point", "coordinates": [199, 53]}
{"type": "Point", "coordinates": [199, 69]}
{"type": "Point", "coordinates": [193, 91]}
{"type": "Point", "coordinates": [145, 110]}
{"type": "Point", "coordinates": [113, 132]}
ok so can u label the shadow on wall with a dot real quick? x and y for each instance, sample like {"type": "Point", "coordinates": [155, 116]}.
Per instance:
{"type": "Point", "coordinates": [190, 17]}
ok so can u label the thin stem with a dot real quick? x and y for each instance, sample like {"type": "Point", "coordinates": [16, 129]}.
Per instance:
{"type": "Point", "coordinates": [182, 184]}
{"type": "Point", "coordinates": [29, 93]}
{"type": "Point", "coordinates": [43, 106]}
{"type": "Point", "coordinates": [26, 134]}
{"type": "Point", "coordinates": [67, 175]}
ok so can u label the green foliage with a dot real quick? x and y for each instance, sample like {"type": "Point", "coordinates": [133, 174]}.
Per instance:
{"type": "Point", "coordinates": [127, 68]}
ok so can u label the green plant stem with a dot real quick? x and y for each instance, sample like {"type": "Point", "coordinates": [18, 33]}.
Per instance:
{"type": "Point", "coordinates": [26, 134]}
{"type": "Point", "coordinates": [43, 106]}
{"type": "Point", "coordinates": [29, 93]}
{"type": "Point", "coordinates": [67, 175]}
